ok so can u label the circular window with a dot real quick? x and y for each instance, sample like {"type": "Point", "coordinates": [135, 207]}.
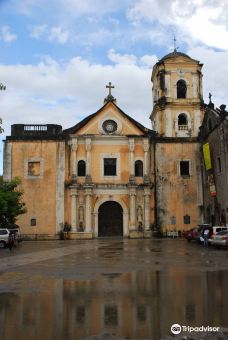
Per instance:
{"type": "Point", "coordinates": [109, 126]}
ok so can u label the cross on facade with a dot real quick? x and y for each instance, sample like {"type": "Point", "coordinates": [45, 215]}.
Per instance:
{"type": "Point", "coordinates": [110, 87]}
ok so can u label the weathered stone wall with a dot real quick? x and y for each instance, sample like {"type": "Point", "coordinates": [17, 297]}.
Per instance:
{"type": "Point", "coordinates": [176, 195]}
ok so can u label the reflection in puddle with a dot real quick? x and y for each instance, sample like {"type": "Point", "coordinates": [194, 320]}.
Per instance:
{"type": "Point", "coordinates": [135, 305]}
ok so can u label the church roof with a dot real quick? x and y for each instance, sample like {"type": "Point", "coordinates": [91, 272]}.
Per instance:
{"type": "Point", "coordinates": [174, 54]}
{"type": "Point", "coordinates": [83, 122]}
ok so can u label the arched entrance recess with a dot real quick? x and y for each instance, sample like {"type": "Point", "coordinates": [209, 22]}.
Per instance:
{"type": "Point", "coordinates": [110, 219]}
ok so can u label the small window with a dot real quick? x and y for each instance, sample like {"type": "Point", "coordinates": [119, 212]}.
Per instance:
{"type": "Point", "coordinates": [181, 89]}
{"type": "Point", "coordinates": [33, 168]}
{"type": "Point", "coordinates": [184, 168]}
{"type": "Point", "coordinates": [111, 315]}
{"type": "Point", "coordinates": [138, 168]}
{"type": "Point", "coordinates": [3, 232]}
{"type": "Point", "coordinates": [219, 165]}
{"type": "Point", "coordinates": [33, 222]}
{"type": "Point", "coordinates": [109, 166]}
{"type": "Point", "coordinates": [81, 168]}
{"type": "Point", "coordinates": [186, 219]}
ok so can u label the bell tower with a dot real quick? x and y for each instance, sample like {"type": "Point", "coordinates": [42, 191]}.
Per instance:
{"type": "Point", "coordinates": [177, 96]}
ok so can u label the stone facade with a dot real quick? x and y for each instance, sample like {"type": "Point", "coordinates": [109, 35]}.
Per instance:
{"type": "Point", "coordinates": [110, 176]}
{"type": "Point", "coordinates": [214, 135]}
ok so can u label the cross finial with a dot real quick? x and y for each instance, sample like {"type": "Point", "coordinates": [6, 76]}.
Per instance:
{"type": "Point", "coordinates": [210, 95]}
{"type": "Point", "coordinates": [175, 44]}
{"type": "Point", "coordinates": [110, 87]}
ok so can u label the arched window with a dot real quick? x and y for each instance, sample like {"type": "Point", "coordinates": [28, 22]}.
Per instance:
{"type": "Point", "coordinates": [181, 89]}
{"type": "Point", "coordinates": [139, 169]}
{"type": "Point", "coordinates": [182, 122]}
{"type": "Point", "coordinates": [81, 168]}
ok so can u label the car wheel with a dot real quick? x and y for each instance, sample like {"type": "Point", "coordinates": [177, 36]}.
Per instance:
{"type": "Point", "coordinates": [2, 244]}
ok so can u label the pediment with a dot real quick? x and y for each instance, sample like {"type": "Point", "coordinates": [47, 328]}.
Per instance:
{"type": "Point", "coordinates": [109, 120]}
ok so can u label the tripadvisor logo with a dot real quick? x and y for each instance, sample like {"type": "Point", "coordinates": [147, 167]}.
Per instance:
{"type": "Point", "coordinates": [176, 328]}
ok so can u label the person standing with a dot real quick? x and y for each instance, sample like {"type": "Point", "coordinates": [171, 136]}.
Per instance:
{"type": "Point", "coordinates": [205, 237]}
{"type": "Point", "coordinates": [11, 242]}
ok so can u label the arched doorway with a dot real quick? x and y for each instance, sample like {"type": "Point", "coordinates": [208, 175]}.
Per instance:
{"type": "Point", "coordinates": [110, 219]}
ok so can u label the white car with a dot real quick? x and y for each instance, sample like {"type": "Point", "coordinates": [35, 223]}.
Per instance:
{"type": "Point", "coordinates": [219, 239]}
{"type": "Point", "coordinates": [4, 237]}
{"type": "Point", "coordinates": [6, 232]}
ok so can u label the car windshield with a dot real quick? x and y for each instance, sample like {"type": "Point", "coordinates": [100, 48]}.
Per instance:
{"type": "Point", "coordinates": [223, 232]}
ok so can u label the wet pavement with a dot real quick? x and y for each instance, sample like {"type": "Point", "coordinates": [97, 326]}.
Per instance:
{"type": "Point", "coordinates": [112, 289]}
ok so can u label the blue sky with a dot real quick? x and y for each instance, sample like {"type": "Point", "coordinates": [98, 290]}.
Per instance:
{"type": "Point", "coordinates": [58, 55]}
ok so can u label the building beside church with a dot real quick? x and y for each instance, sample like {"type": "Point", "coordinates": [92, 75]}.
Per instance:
{"type": "Point", "coordinates": [214, 139]}
{"type": "Point", "coordinates": [109, 175]}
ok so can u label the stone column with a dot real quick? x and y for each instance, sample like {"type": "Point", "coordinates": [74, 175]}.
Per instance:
{"type": "Point", "coordinates": [132, 208]}
{"type": "Point", "coordinates": [88, 208]}
{"type": "Point", "coordinates": [147, 208]}
{"type": "Point", "coordinates": [132, 168]}
{"type": "Point", "coordinates": [74, 147]}
{"type": "Point", "coordinates": [146, 147]}
{"type": "Point", "coordinates": [88, 160]}
{"type": "Point", "coordinates": [59, 184]}
{"type": "Point", "coordinates": [74, 209]}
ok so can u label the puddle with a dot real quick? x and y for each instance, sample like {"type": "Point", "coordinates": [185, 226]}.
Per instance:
{"type": "Point", "coordinates": [135, 305]}
{"type": "Point", "coordinates": [81, 294]}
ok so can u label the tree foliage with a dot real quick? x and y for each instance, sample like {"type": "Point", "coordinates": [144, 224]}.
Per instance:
{"type": "Point", "coordinates": [10, 201]}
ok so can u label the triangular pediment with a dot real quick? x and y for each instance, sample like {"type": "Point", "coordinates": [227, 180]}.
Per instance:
{"type": "Point", "coordinates": [109, 120]}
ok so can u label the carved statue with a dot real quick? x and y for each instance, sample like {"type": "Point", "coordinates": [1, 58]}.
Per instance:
{"type": "Point", "coordinates": [81, 218]}
{"type": "Point", "coordinates": [139, 217]}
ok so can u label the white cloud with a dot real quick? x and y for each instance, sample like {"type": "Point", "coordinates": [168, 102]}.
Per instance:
{"type": "Point", "coordinates": [59, 35]}
{"type": "Point", "coordinates": [52, 34]}
{"type": "Point", "coordinates": [64, 94]}
{"type": "Point", "coordinates": [121, 59]}
{"type": "Point", "coordinates": [38, 32]}
{"type": "Point", "coordinates": [6, 34]}
{"type": "Point", "coordinates": [215, 71]}
{"type": "Point", "coordinates": [204, 21]}
{"type": "Point", "coordinates": [149, 60]}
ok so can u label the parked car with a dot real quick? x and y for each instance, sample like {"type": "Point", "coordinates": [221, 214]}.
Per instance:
{"type": "Point", "coordinates": [4, 237]}
{"type": "Point", "coordinates": [214, 231]}
{"type": "Point", "coordinates": [219, 239]}
{"type": "Point", "coordinates": [194, 234]}
{"type": "Point", "coordinates": [12, 229]}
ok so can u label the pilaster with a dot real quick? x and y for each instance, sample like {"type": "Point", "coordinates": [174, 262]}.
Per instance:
{"type": "Point", "coordinates": [131, 144]}
{"type": "Point", "coordinates": [88, 145]}
{"type": "Point", "coordinates": [88, 209]}
{"type": "Point", "coordinates": [74, 209]}
{"type": "Point", "coordinates": [132, 193]}
{"type": "Point", "coordinates": [147, 208]}
{"type": "Point", "coordinates": [74, 145]}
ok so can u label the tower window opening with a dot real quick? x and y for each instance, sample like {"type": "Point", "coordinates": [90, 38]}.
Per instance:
{"type": "Point", "coordinates": [138, 168]}
{"type": "Point", "coordinates": [81, 168]}
{"type": "Point", "coordinates": [182, 122]}
{"type": "Point", "coordinates": [181, 89]}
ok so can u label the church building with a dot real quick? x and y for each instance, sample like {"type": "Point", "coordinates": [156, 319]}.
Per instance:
{"type": "Point", "coordinates": [108, 175]}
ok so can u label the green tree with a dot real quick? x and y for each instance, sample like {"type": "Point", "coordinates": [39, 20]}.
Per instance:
{"type": "Point", "coordinates": [10, 201]}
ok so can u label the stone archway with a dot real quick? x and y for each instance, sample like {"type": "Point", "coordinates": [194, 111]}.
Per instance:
{"type": "Point", "coordinates": [110, 219]}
